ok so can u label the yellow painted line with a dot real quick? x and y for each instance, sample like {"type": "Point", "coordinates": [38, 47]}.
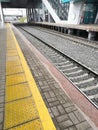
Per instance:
{"type": "Point", "coordinates": [40, 114]}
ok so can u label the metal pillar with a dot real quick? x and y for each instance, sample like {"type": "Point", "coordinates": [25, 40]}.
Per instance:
{"type": "Point", "coordinates": [34, 15]}
{"type": "Point", "coordinates": [27, 15]}
{"type": "Point", "coordinates": [70, 31]}
{"type": "Point", "coordinates": [43, 7]}
{"type": "Point", "coordinates": [38, 15]}
{"type": "Point", "coordinates": [32, 18]}
{"type": "Point", "coordinates": [78, 32]}
{"type": "Point", "coordinates": [91, 35]}
{"type": "Point", "coordinates": [31, 14]}
{"type": "Point", "coordinates": [49, 19]}
{"type": "Point", "coordinates": [96, 20]}
{"type": "Point", "coordinates": [65, 30]}
{"type": "Point", "coordinates": [1, 13]}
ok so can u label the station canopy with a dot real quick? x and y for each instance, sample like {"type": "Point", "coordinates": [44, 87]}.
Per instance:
{"type": "Point", "coordinates": [65, 1]}
{"type": "Point", "coordinates": [86, 1]}
{"type": "Point", "coordinates": [21, 3]}
{"type": "Point", "coordinates": [5, 0]}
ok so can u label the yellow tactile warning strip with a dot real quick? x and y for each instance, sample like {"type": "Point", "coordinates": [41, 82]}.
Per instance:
{"type": "Point", "coordinates": [24, 107]}
{"type": "Point", "coordinates": [17, 92]}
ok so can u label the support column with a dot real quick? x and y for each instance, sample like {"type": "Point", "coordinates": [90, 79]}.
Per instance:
{"type": "Point", "coordinates": [75, 12]}
{"type": "Point", "coordinates": [91, 35]}
{"type": "Point", "coordinates": [1, 13]}
{"type": "Point", "coordinates": [43, 7]}
{"type": "Point", "coordinates": [64, 30]}
{"type": "Point", "coordinates": [49, 19]}
{"type": "Point", "coordinates": [30, 14]}
{"type": "Point", "coordinates": [78, 32]}
{"type": "Point", "coordinates": [96, 20]}
{"type": "Point", "coordinates": [34, 15]}
{"type": "Point", "coordinates": [70, 31]}
{"type": "Point", "coordinates": [27, 15]}
{"type": "Point", "coordinates": [38, 15]}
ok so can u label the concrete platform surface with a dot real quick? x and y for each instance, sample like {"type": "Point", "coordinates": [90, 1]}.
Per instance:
{"type": "Point", "coordinates": [87, 27]}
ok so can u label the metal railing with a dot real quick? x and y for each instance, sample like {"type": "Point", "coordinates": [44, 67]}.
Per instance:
{"type": "Point", "coordinates": [60, 8]}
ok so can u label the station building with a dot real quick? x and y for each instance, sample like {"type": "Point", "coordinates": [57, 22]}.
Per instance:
{"type": "Point", "coordinates": [67, 11]}
{"type": "Point", "coordinates": [58, 11]}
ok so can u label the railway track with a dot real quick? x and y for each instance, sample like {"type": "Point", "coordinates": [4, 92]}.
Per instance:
{"type": "Point", "coordinates": [85, 80]}
{"type": "Point", "coordinates": [77, 39]}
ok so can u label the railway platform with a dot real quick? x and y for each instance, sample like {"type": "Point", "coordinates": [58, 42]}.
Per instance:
{"type": "Point", "coordinates": [31, 96]}
{"type": "Point", "coordinates": [89, 31]}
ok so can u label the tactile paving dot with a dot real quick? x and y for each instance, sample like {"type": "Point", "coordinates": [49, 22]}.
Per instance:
{"type": "Point", "coordinates": [15, 79]}
{"type": "Point", "coordinates": [13, 63]}
{"type": "Point", "coordinates": [17, 92]}
{"type": "Point", "coordinates": [14, 70]}
{"type": "Point", "coordinates": [12, 58]}
{"type": "Point", "coordinates": [12, 52]}
{"type": "Point", "coordinates": [9, 47]}
{"type": "Point", "coordinates": [32, 125]}
{"type": "Point", "coordinates": [19, 112]}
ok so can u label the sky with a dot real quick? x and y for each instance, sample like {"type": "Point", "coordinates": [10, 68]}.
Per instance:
{"type": "Point", "coordinates": [9, 11]}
